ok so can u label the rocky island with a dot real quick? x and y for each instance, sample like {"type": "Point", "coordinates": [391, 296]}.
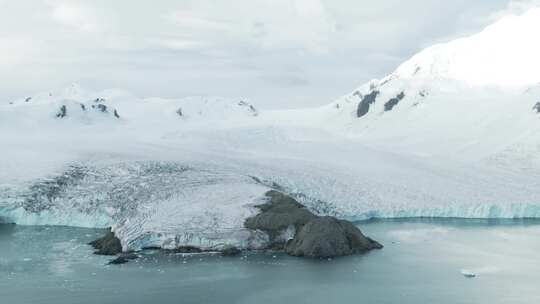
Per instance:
{"type": "Point", "coordinates": [290, 226]}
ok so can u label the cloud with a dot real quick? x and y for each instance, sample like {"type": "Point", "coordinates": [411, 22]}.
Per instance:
{"type": "Point", "coordinates": [275, 52]}
{"type": "Point", "coordinates": [286, 80]}
{"type": "Point", "coordinates": [192, 20]}
{"type": "Point", "coordinates": [75, 15]}
{"type": "Point", "coordinates": [519, 6]}
{"type": "Point", "coordinates": [270, 25]}
{"type": "Point", "coordinates": [514, 7]}
{"type": "Point", "coordinates": [180, 44]}
{"type": "Point", "coordinates": [15, 51]}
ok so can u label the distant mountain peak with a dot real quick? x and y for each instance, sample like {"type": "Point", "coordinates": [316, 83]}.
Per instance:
{"type": "Point", "coordinates": [504, 54]}
{"type": "Point", "coordinates": [504, 57]}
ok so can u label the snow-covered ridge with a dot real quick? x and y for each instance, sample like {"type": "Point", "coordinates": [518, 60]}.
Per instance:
{"type": "Point", "coordinates": [472, 98]}
{"type": "Point", "coordinates": [504, 54]}
{"type": "Point", "coordinates": [77, 104]}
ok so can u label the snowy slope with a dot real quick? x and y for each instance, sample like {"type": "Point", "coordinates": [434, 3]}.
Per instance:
{"type": "Point", "coordinates": [504, 54]}
{"type": "Point", "coordinates": [471, 98]}
{"type": "Point", "coordinates": [453, 132]}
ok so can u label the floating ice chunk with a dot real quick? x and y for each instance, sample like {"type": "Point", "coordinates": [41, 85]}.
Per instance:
{"type": "Point", "coordinates": [468, 274]}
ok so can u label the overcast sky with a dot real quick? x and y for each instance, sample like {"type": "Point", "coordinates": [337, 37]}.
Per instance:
{"type": "Point", "coordinates": [277, 53]}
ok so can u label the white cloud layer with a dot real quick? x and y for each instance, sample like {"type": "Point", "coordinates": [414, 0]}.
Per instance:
{"type": "Point", "coordinates": [75, 15]}
{"type": "Point", "coordinates": [276, 52]}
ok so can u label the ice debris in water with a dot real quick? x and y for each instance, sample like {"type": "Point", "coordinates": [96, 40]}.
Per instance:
{"type": "Point", "coordinates": [468, 274]}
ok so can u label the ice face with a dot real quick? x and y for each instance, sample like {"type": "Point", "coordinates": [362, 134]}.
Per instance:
{"type": "Point", "coordinates": [148, 204]}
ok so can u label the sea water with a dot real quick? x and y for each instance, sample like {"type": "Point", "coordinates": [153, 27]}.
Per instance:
{"type": "Point", "coordinates": [423, 261]}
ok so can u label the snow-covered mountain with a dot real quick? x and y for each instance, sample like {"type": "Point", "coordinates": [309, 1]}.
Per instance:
{"type": "Point", "coordinates": [473, 97]}
{"type": "Point", "coordinates": [81, 106]}
{"type": "Point", "coordinates": [504, 54]}
{"type": "Point", "coordinates": [453, 132]}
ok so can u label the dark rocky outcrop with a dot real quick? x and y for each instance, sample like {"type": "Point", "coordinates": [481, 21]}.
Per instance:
{"type": "Point", "coordinates": [280, 213]}
{"type": "Point", "coordinates": [123, 258]}
{"type": "Point", "coordinates": [388, 106]}
{"type": "Point", "coordinates": [537, 107]}
{"type": "Point", "coordinates": [225, 251]}
{"type": "Point", "coordinates": [363, 106]}
{"type": "Point", "coordinates": [99, 106]}
{"type": "Point", "coordinates": [151, 248]}
{"type": "Point", "coordinates": [230, 251]}
{"type": "Point", "coordinates": [324, 237]}
{"type": "Point", "coordinates": [314, 236]}
{"type": "Point", "coordinates": [251, 108]}
{"type": "Point", "coordinates": [102, 108]}
{"type": "Point", "coordinates": [291, 227]}
{"type": "Point", "coordinates": [119, 260]}
{"type": "Point", "coordinates": [62, 112]}
{"type": "Point", "coordinates": [107, 245]}
{"type": "Point", "coordinates": [187, 249]}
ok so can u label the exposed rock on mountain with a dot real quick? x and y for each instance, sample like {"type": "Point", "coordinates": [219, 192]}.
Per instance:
{"type": "Point", "coordinates": [367, 101]}
{"type": "Point", "coordinates": [390, 104]}
{"type": "Point", "coordinates": [537, 107]}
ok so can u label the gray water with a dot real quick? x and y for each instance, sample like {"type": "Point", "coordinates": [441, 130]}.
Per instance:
{"type": "Point", "coordinates": [422, 262]}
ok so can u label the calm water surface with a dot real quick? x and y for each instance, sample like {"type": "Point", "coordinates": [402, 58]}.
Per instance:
{"type": "Point", "coordinates": [422, 262]}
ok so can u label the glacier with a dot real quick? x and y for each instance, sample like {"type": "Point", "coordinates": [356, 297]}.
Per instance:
{"type": "Point", "coordinates": [200, 193]}
{"type": "Point", "coordinates": [439, 139]}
